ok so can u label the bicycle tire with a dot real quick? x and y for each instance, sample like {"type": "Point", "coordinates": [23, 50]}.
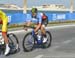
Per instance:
{"type": "Point", "coordinates": [14, 47]}
{"type": "Point", "coordinates": [24, 40]}
{"type": "Point", "coordinates": [45, 45]}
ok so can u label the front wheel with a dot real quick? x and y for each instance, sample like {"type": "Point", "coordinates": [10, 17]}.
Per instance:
{"type": "Point", "coordinates": [13, 43]}
{"type": "Point", "coordinates": [28, 42]}
{"type": "Point", "coordinates": [49, 39]}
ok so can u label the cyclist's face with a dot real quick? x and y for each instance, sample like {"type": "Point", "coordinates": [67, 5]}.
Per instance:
{"type": "Point", "coordinates": [34, 14]}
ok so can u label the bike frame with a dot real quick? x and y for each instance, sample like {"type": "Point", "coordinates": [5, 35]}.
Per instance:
{"type": "Point", "coordinates": [36, 37]}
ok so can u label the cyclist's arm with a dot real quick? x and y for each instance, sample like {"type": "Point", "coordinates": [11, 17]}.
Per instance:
{"type": "Point", "coordinates": [28, 22]}
{"type": "Point", "coordinates": [37, 27]}
{"type": "Point", "coordinates": [30, 25]}
{"type": "Point", "coordinates": [5, 23]}
{"type": "Point", "coordinates": [4, 27]}
{"type": "Point", "coordinates": [39, 23]}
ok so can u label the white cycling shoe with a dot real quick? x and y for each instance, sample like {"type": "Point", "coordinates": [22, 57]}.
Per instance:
{"type": "Point", "coordinates": [44, 40]}
{"type": "Point", "coordinates": [7, 50]}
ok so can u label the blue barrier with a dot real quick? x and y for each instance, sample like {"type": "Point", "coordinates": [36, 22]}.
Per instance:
{"type": "Point", "coordinates": [18, 16]}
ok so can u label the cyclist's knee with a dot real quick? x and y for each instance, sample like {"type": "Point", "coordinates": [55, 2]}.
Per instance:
{"type": "Point", "coordinates": [43, 26]}
{"type": "Point", "coordinates": [43, 31]}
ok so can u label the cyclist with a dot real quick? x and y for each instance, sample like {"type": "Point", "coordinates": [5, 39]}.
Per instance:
{"type": "Point", "coordinates": [4, 22]}
{"type": "Point", "coordinates": [36, 19]}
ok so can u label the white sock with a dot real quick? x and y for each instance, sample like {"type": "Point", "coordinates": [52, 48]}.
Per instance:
{"type": "Point", "coordinates": [7, 45]}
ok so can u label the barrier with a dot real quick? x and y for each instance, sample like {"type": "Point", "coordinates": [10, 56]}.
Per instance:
{"type": "Point", "coordinates": [16, 17]}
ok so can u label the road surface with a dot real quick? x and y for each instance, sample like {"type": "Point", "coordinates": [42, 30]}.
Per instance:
{"type": "Point", "coordinates": [63, 45]}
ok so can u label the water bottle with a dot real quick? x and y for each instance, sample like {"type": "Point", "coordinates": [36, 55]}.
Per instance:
{"type": "Point", "coordinates": [39, 39]}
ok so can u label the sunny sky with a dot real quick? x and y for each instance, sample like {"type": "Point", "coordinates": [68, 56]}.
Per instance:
{"type": "Point", "coordinates": [31, 3]}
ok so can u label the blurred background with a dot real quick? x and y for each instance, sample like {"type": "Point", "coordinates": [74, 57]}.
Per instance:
{"type": "Point", "coordinates": [56, 10]}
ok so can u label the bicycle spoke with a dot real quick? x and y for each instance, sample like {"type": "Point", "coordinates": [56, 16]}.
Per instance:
{"type": "Point", "coordinates": [28, 42]}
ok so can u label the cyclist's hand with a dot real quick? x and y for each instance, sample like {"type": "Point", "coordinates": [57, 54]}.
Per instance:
{"type": "Point", "coordinates": [26, 29]}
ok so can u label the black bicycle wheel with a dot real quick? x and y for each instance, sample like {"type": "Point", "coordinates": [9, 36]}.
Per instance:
{"type": "Point", "coordinates": [49, 39]}
{"type": "Point", "coordinates": [13, 43]}
{"type": "Point", "coordinates": [28, 42]}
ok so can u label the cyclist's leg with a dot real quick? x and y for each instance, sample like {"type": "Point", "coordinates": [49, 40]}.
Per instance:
{"type": "Point", "coordinates": [43, 28]}
{"type": "Point", "coordinates": [4, 34]}
{"type": "Point", "coordinates": [44, 33]}
{"type": "Point", "coordinates": [4, 30]}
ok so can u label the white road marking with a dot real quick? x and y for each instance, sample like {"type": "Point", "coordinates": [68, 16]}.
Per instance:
{"type": "Point", "coordinates": [56, 56]}
{"type": "Point", "coordinates": [39, 56]}
{"type": "Point", "coordinates": [59, 56]}
{"type": "Point", "coordinates": [51, 27]}
{"type": "Point", "coordinates": [61, 26]}
{"type": "Point", "coordinates": [67, 41]}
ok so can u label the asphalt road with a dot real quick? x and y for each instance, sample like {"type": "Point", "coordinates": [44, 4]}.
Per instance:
{"type": "Point", "coordinates": [63, 45]}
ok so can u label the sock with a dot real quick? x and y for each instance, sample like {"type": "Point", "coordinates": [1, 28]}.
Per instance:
{"type": "Point", "coordinates": [7, 45]}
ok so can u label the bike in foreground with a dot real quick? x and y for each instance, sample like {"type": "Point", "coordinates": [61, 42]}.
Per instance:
{"type": "Point", "coordinates": [30, 40]}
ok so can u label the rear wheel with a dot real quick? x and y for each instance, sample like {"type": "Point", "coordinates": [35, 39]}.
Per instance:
{"type": "Point", "coordinates": [49, 39]}
{"type": "Point", "coordinates": [13, 43]}
{"type": "Point", "coordinates": [28, 42]}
